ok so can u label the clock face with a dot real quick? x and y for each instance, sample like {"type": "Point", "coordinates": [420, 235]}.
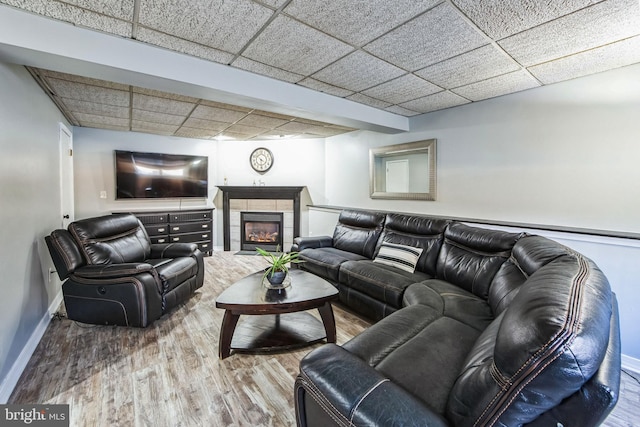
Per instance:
{"type": "Point", "coordinates": [261, 160]}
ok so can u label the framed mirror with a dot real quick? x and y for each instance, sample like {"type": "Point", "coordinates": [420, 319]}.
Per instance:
{"type": "Point", "coordinates": [403, 171]}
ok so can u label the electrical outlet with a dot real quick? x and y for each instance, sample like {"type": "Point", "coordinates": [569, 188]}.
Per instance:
{"type": "Point", "coordinates": [103, 194]}
{"type": "Point", "coordinates": [51, 271]}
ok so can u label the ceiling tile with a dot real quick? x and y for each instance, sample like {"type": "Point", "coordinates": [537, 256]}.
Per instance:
{"type": "Point", "coordinates": [235, 22]}
{"type": "Point", "coordinates": [80, 91]}
{"type": "Point", "coordinates": [592, 61]}
{"type": "Point", "coordinates": [81, 79]}
{"type": "Point", "coordinates": [396, 109]}
{"type": "Point", "coordinates": [224, 106]}
{"type": "Point", "coordinates": [496, 86]}
{"type": "Point", "coordinates": [595, 26]}
{"type": "Point", "coordinates": [121, 9]}
{"type": "Point", "coordinates": [265, 70]}
{"type": "Point", "coordinates": [78, 16]}
{"type": "Point", "coordinates": [167, 95]}
{"type": "Point", "coordinates": [500, 18]}
{"type": "Point", "coordinates": [262, 122]}
{"type": "Point", "coordinates": [245, 130]}
{"type": "Point", "coordinates": [97, 120]}
{"type": "Point", "coordinates": [324, 87]}
{"type": "Point", "coordinates": [217, 114]}
{"type": "Point", "coordinates": [188, 132]}
{"type": "Point", "coordinates": [356, 22]}
{"type": "Point", "coordinates": [294, 127]}
{"type": "Point", "coordinates": [75, 105]}
{"type": "Point", "coordinates": [437, 101]}
{"type": "Point", "coordinates": [183, 46]}
{"type": "Point", "coordinates": [209, 125]}
{"type": "Point", "coordinates": [161, 105]}
{"type": "Point", "coordinates": [438, 34]}
{"type": "Point", "coordinates": [153, 117]}
{"type": "Point", "coordinates": [470, 67]}
{"type": "Point", "coordinates": [367, 100]}
{"type": "Point", "coordinates": [157, 128]}
{"type": "Point", "coordinates": [272, 3]}
{"type": "Point", "coordinates": [294, 46]}
{"type": "Point", "coordinates": [357, 71]}
{"type": "Point", "coordinates": [402, 89]}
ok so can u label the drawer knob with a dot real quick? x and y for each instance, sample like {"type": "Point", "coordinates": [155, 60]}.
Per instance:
{"type": "Point", "coordinates": [160, 230]}
{"type": "Point", "coordinates": [176, 228]}
{"type": "Point", "coordinates": [160, 240]}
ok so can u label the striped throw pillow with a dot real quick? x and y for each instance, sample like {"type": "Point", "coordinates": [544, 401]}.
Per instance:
{"type": "Point", "coordinates": [399, 256]}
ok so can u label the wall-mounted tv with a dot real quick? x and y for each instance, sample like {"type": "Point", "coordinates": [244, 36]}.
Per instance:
{"type": "Point", "coordinates": [160, 176]}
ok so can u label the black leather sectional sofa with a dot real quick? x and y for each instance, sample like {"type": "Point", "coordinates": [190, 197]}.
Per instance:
{"type": "Point", "coordinates": [492, 328]}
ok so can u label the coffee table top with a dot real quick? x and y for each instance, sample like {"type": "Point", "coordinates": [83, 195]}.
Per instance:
{"type": "Point", "coordinates": [250, 296]}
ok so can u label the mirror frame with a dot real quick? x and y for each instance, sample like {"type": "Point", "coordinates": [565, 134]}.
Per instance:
{"type": "Point", "coordinates": [428, 145]}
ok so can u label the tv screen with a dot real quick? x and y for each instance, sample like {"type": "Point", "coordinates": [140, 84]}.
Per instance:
{"type": "Point", "coordinates": [158, 176]}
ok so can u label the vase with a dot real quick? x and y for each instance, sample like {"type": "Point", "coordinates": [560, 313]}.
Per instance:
{"type": "Point", "coordinates": [276, 280]}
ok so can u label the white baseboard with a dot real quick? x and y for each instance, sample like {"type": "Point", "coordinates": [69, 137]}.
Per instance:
{"type": "Point", "coordinates": [10, 381]}
{"type": "Point", "coordinates": [630, 364]}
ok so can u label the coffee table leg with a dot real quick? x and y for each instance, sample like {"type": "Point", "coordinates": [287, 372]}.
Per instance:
{"type": "Point", "coordinates": [229, 323]}
{"type": "Point", "coordinates": [326, 312]}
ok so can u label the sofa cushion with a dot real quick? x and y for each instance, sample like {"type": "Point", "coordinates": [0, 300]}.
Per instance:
{"type": "Point", "coordinates": [176, 271]}
{"type": "Point", "coordinates": [418, 232]}
{"type": "Point", "coordinates": [470, 256]}
{"type": "Point", "coordinates": [111, 239]}
{"type": "Point", "coordinates": [541, 349]}
{"type": "Point", "coordinates": [398, 256]}
{"type": "Point", "coordinates": [325, 262]}
{"type": "Point", "coordinates": [358, 232]}
{"type": "Point", "coordinates": [379, 281]}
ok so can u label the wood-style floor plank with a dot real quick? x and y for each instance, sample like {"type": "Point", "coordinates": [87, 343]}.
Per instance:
{"type": "Point", "coordinates": [169, 374]}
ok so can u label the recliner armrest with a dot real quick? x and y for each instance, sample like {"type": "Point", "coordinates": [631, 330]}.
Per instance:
{"type": "Point", "coordinates": [333, 380]}
{"type": "Point", "coordinates": [311, 242]}
{"type": "Point", "coordinates": [172, 250]}
{"type": "Point", "coordinates": [112, 271]}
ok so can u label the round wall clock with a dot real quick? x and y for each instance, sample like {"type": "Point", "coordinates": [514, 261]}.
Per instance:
{"type": "Point", "coordinates": [261, 160]}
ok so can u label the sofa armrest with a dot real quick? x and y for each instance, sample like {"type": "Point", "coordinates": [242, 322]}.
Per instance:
{"type": "Point", "coordinates": [113, 271]}
{"type": "Point", "coordinates": [172, 250]}
{"type": "Point", "coordinates": [337, 388]}
{"type": "Point", "coordinates": [312, 242]}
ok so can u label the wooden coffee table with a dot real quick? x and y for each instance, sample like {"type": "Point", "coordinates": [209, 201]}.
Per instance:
{"type": "Point", "coordinates": [278, 320]}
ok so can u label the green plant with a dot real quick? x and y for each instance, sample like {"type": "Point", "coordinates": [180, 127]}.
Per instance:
{"type": "Point", "coordinates": [279, 262]}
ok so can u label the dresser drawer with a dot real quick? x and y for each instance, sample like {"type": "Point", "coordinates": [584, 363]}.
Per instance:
{"type": "Point", "coordinates": [157, 229]}
{"type": "Point", "coordinates": [190, 216]}
{"type": "Point", "coordinates": [159, 239]}
{"type": "Point", "coordinates": [190, 227]}
{"type": "Point", "coordinates": [191, 237]}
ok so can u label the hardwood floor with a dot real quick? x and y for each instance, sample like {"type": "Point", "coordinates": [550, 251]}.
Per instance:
{"type": "Point", "coordinates": [169, 374]}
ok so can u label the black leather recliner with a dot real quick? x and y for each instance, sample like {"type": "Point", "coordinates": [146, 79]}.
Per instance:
{"type": "Point", "coordinates": [114, 275]}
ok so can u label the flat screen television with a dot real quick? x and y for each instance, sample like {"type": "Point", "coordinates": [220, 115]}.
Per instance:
{"type": "Point", "coordinates": [160, 176]}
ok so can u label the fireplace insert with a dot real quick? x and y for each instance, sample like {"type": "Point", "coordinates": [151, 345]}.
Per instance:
{"type": "Point", "coordinates": [261, 229]}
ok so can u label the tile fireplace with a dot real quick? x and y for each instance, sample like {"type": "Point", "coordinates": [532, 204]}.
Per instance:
{"type": "Point", "coordinates": [261, 229]}
{"type": "Point", "coordinates": [259, 200]}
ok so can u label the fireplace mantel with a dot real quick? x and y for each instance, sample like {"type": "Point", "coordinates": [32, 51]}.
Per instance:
{"type": "Point", "coordinates": [258, 192]}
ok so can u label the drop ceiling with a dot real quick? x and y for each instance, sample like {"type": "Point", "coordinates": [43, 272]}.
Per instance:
{"type": "Point", "coordinates": [403, 57]}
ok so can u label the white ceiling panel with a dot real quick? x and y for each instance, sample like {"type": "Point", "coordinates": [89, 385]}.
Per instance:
{"type": "Point", "coordinates": [367, 100]}
{"type": "Point", "coordinates": [96, 94]}
{"type": "Point", "coordinates": [83, 17]}
{"type": "Point", "coordinates": [296, 47]}
{"type": "Point", "coordinates": [217, 114]}
{"type": "Point", "coordinates": [98, 121]}
{"type": "Point", "coordinates": [357, 21]}
{"type": "Point", "coordinates": [262, 122]}
{"type": "Point", "coordinates": [221, 24]}
{"type": "Point", "coordinates": [188, 132]}
{"type": "Point", "coordinates": [153, 117]}
{"type": "Point", "coordinates": [396, 109]}
{"type": "Point", "coordinates": [502, 18]}
{"type": "Point", "coordinates": [245, 130]}
{"type": "Point", "coordinates": [496, 86]}
{"type": "Point", "coordinates": [439, 34]}
{"type": "Point", "coordinates": [437, 101]}
{"type": "Point", "coordinates": [183, 46]}
{"type": "Point", "coordinates": [75, 105]}
{"type": "Point", "coordinates": [324, 87]}
{"type": "Point", "coordinates": [479, 64]}
{"type": "Point", "coordinates": [161, 105]}
{"type": "Point", "coordinates": [357, 71]}
{"type": "Point", "coordinates": [158, 128]}
{"type": "Point", "coordinates": [202, 124]}
{"type": "Point", "coordinates": [266, 70]}
{"type": "Point", "coordinates": [603, 23]}
{"type": "Point", "coordinates": [619, 54]}
{"type": "Point", "coordinates": [402, 89]}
